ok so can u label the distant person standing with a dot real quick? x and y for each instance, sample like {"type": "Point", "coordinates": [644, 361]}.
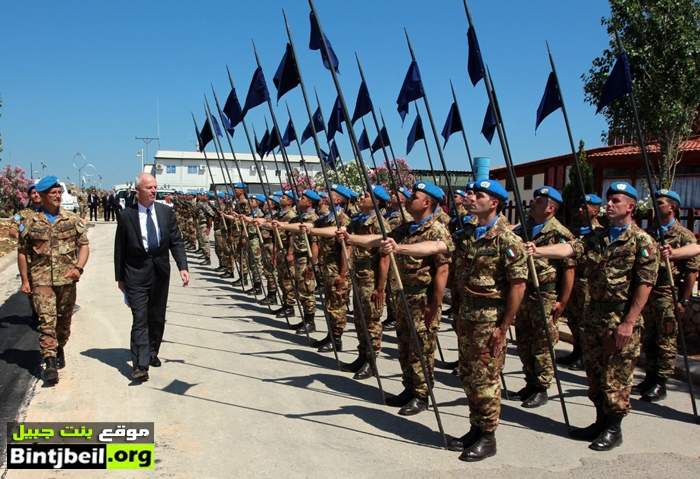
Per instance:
{"type": "Point", "coordinates": [145, 235]}
{"type": "Point", "coordinates": [106, 206]}
{"type": "Point", "coordinates": [116, 206]}
{"type": "Point", "coordinates": [93, 202]}
{"type": "Point", "coordinates": [52, 252]}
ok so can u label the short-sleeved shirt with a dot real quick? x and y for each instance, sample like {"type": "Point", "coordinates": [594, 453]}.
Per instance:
{"type": "Point", "coordinates": [329, 248]}
{"type": "Point", "coordinates": [553, 232]}
{"type": "Point", "coordinates": [616, 267]}
{"type": "Point", "coordinates": [485, 267]}
{"type": "Point", "coordinates": [394, 218]}
{"type": "Point", "coordinates": [52, 249]}
{"type": "Point", "coordinates": [417, 273]}
{"type": "Point", "coordinates": [365, 258]}
{"type": "Point", "coordinates": [203, 213]}
{"type": "Point", "coordinates": [676, 236]}
{"type": "Point", "coordinates": [298, 239]}
{"type": "Point", "coordinates": [285, 216]}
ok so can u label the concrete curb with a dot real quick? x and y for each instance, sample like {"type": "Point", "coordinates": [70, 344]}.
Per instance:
{"type": "Point", "coordinates": [7, 260]}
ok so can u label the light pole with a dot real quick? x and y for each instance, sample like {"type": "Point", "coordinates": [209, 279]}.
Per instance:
{"type": "Point", "coordinates": [83, 164]}
{"type": "Point", "coordinates": [146, 141]}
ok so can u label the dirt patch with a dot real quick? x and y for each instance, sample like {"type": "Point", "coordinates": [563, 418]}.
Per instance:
{"type": "Point", "coordinates": [7, 243]}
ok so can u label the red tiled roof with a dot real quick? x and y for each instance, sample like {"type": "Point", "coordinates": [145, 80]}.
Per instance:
{"type": "Point", "coordinates": [692, 144]}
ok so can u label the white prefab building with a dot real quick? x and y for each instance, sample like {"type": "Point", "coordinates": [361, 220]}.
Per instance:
{"type": "Point", "coordinates": [190, 171]}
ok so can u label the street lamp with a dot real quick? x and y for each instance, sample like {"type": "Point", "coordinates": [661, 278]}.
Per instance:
{"type": "Point", "coordinates": [83, 164]}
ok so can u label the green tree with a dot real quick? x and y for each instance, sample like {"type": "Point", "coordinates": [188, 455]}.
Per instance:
{"type": "Point", "coordinates": [662, 40]}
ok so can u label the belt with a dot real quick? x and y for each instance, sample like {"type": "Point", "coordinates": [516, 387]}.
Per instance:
{"type": "Point", "coordinates": [547, 287]}
{"type": "Point", "coordinates": [608, 306]}
{"type": "Point", "coordinates": [415, 289]}
{"type": "Point", "coordinates": [478, 302]}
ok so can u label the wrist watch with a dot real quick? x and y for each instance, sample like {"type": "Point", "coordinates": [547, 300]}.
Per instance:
{"type": "Point", "coordinates": [79, 269]}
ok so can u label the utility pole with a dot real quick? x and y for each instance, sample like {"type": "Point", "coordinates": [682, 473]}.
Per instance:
{"type": "Point", "coordinates": [146, 141]}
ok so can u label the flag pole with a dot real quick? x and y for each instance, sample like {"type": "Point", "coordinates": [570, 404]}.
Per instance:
{"type": "Point", "coordinates": [344, 248]}
{"type": "Point", "coordinates": [391, 150]}
{"type": "Point", "coordinates": [464, 133]}
{"type": "Point", "coordinates": [301, 154]}
{"type": "Point", "coordinates": [228, 136]}
{"type": "Point", "coordinates": [328, 140]}
{"type": "Point", "coordinates": [199, 142]}
{"type": "Point", "coordinates": [392, 259]}
{"type": "Point", "coordinates": [493, 102]}
{"type": "Point", "coordinates": [660, 235]}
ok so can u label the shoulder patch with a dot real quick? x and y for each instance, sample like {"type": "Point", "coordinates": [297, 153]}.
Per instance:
{"type": "Point", "coordinates": [510, 252]}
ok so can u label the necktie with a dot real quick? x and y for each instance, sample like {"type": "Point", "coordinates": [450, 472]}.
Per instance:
{"type": "Point", "coordinates": [151, 236]}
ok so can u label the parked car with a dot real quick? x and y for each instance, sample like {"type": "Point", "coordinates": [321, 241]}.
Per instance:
{"type": "Point", "coordinates": [69, 202]}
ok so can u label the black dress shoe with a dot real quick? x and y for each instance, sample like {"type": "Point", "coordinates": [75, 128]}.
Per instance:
{"type": "Point", "coordinates": [50, 374]}
{"type": "Point", "coordinates": [462, 443]}
{"type": "Point", "coordinates": [414, 406]}
{"type": "Point", "coordinates": [656, 393]}
{"type": "Point", "coordinates": [270, 299]}
{"type": "Point", "coordinates": [305, 328]}
{"type": "Point", "coordinates": [401, 399]}
{"type": "Point", "coordinates": [139, 375]}
{"type": "Point", "coordinates": [364, 372]}
{"type": "Point", "coordinates": [483, 447]}
{"type": "Point", "coordinates": [257, 289]}
{"type": "Point", "coordinates": [571, 358]}
{"type": "Point", "coordinates": [592, 431]}
{"type": "Point", "coordinates": [611, 436]}
{"type": "Point", "coordinates": [645, 385]}
{"type": "Point", "coordinates": [326, 345]}
{"type": "Point", "coordinates": [525, 392]}
{"type": "Point", "coordinates": [354, 366]}
{"type": "Point", "coordinates": [536, 399]}
{"type": "Point", "coordinates": [155, 362]}
{"type": "Point", "coordinates": [450, 365]}
{"type": "Point", "coordinates": [60, 358]}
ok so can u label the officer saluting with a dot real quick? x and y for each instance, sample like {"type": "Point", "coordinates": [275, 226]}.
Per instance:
{"type": "Point", "coordinates": [52, 251]}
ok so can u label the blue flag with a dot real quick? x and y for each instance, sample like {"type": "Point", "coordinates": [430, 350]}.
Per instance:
{"type": "Point", "coordinates": [232, 109]}
{"type": "Point", "coordinates": [287, 75]}
{"type": "Point", "coordinates": [315, 43]}
{"type": "Point", "coordinates": [415, 134]}
{"type": "Point", "coordinates": [205, 135]}
{"type": "Point", "coordinates": [377, 143]}
{"type": "Point", "coordinates": [328, 160]}
{"type": "Point", "coordinates": [257, 92]}
{"type": "Point", "coordinates": [411, 90]}
{"type": "Point", "coordinates": [273, 141]}
{"type": "Point", "coordinates": [363, 105]}
{"type": "Point", "coordinates": [318, 126]}
{"type": "Point", "coordinates": [335, 154]}
{"type": "Point", "coordinates": [453, 123]}
{"type": "Point", "coordinates": [363, 142]}
{"type": "Point", "coordinates": [224, 121]}
{"type": "Point", "coordinates": [217, 128]}
{"type": "Point", "coordinates": [289, 134]}
{"type": "Point", "coordinates": [551, 100]}
{"type": "Point", "coordinates": [475, 64]}
{"type": "Point", "coordinates": [618, 84]}
{"type": "Point", "coordinates": [489, 126]}
{"type": "Point", "coordinates": [261, 147]}
{"type": "Point", "coordinates": [335, 120]}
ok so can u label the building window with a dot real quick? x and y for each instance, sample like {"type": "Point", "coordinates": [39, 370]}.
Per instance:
{"type": "Point", "coordinates": [192, 169]}
{"type": "Point", "coordinates": [527, 182]}
{"type": "Point", "coordinates": [170, 169]}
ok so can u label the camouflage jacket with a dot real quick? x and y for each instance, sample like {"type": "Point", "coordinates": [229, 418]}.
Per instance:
{"type": "Point", "coordinates": [203, 212]}
{"type": "Point", "coordinates": [285, 216]}
{"type": "Point", "coordinates": [442, 217]}
{"type": "Point", "coordinates": [217, 208]}
{"type": "Point", "coordinates": [395, 219]}
{"type": "Point", "coordinates": [417, 273]}
{"type": "Point", "coordinates": [298, 240]}
{"type": "Point", "coordinates": [365, 259]}
{"type": "Point", "coordinates": [676, 236]}
{"type": "Point", "coordinates": [553, 232]}
{"type": "Point", "coordinates": [252, 230]}
{"type": "Point", "coordinates": [328, 248]}
{"type": "Point", "coordinates": [485, 267]}
{"type": "Point", "coordinates": [616, 268]}
{"type": "Point", "coordinates": [52, 249]}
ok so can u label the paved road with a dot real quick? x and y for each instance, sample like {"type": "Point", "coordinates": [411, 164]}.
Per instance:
{"type": "Point", "coordinates": [239, 395]}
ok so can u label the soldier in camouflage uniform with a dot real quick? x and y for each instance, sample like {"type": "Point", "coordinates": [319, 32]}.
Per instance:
{"type": "Point", "coordinates": [52, 251]}
{"type": "Point", "coordinates": [285, 268]}
{"type": "Point", "coordinates": [205, 216]}
{"type": "Point", "coordinates": [556, 280]}
{"type": "Point", "coordinates": [576, 309]}
{"type": "Point", "coordinates": [239, 242]}
{"type": "Point", "coordinates": [623, 264]}
{"type": "Point", "coordinates": [660, 325]}
{"type": "Point", "coordinates": [220, 233]}
{"type": "Point", "coordinates": [33, 205]}
{"type": "Point", "coordinates": [395, 215]}
{"type": "Point", "coordinates": [255, 258]}
{"type": "Point", "coordinates": [268, 247]}
{"type": "Point", "coordinates": [424, 280]}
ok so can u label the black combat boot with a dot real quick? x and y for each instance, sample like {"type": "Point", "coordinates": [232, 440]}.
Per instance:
{"type": "Point", "coordinates": [525, 392]}
{"type": "Point", "coordinates": [326, 345]}
{"type": "Point", "coordinates": [270, 299]}
{"type": "Point", "coordinates": [50, 371]}
{"type": "Point", "coordinates": [645, 385]}
{"type": "Point", "coordinates": [536, 399]}
{"type": "Point", "coordinates": [466, 441]}
{"type": "Point", "coordinates": [611, 436]}
{"type": "Point", "coordinates": [308, 325]}
{"type": "Point", "coordinates": [415, 406]}
{"type": "Point", "coordinates": [589, 433]}
{"type": "Point", "coordinates": [657, 392]}
{"type": "Point", "coordinates": [284, 312]}
{"type": "Point", "coordinates": [401, 399]}
{"type": "Point", "coordinates": [572, 358]}
{"type": "Point", "coordinates": [60, 358]}
{"type": "Point", "coordinates": [354, 366]}
{"type": "Point", "coordinates": [484, 446]}
{"type": "Point", "coordinates": [364, 372]}
{"type": "Point", "coordinates": [257, 289]}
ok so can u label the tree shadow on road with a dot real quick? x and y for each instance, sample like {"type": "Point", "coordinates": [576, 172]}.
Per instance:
{"type": "Point", "coordinates": [114, 357]}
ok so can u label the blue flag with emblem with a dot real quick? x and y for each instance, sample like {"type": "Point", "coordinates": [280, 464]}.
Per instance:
{"type": "Point", "coordinates": [551, 100]}
{"type": "Point", "coordinates": [335, 120]}
{"type": "Point", "coordinates": [453, 123]}
{"type": "Point", "coordinates": [411, 90]}
{"type": "Point", "coordinates": [363, 142]}
{"type": "Point", "coordinates": [475, 64]}
{"type": "Point", "coordinates": [382, 137]}
{"type": "Point", "coordinates": [232, 108]}
{"type": "Point", "coordinates": [489, 126]}
{"type": "Point", "coordinates": [415, 134]}
{"type": "Point", "coordinates": [315, 43]}
{"type": "Point", "coordinates": [257, 92]}
{"type": "Point", "coordinates": [318, 126]}
{"type": "Point", "coordinates": [287, 75]}
{"type": "Point", "coordinates": [363, 105]}
{"type": "Point", "coordinates": [618, 84]}
{"type": "Point", "coordinates": [289, 134]}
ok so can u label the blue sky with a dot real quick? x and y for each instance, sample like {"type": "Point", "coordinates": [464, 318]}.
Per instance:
{"type": "Point", "coordinates": [87, 76]}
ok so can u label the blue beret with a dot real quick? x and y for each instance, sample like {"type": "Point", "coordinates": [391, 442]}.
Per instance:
{"type": "Point", "coordinates": [354, 195]}
{"type": "Point", "coordinates": [549, 192]}
{"type": "Point", "coordinates": [31, 187]}
{"type": "Point", "coordinates": [380, 192]}
{"type": "Point", "coordinates": [622, 187]}
{"type": "Point", "coordinates": [275, 199]}
{"type": "Point", "coordinates": [460, 193]}
{"type": "Point", "coordinates": [278, 193]}
{"type": "Point", "coordinates": [211, 195]}
{"type": "Point", "coordinates": [669, 194]}
{"type": "Point", "coordinates": [469, 187]}
{"type": "Point", "coordinates": [593, 199]}
{"type": "Point", "coordinates": [323, 194]}
{"type": "Point", "coordinates": [290, 194]}
{"type": "Point", "coordinates": [493, 188]}
{"type": "Point", "coordinates": [46, 183]}
{"type": "Point", "coordinates": [342, 190]}
{"type": "Point", "coordinates": [221, 194]}
{"type": "Point", "coordinates": [406, 192]}
{"type": "Point", "coordinates": [429, 189]}
{"type": "Point", "coordinates": [260, 198]}
{"type": "Point", "coordinates": [239, 185]}
{"type": "Point", "coordinates": [312, 195]}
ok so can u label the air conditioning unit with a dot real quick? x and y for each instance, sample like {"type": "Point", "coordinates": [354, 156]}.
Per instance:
{"type": "Point", "coordinates": [160, 167]}
{"type": "Point", "coordinates": [202, 168]}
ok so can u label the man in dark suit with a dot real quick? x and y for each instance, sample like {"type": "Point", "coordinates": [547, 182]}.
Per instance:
{"type": "Point", "coordinates": [106, 206]}
{"type": "Point", "coordinates": [116, 206]}
{"type": "Point", "coordinates": [145, 234]}
{"type": "Point", "coordinates": [93, 202]}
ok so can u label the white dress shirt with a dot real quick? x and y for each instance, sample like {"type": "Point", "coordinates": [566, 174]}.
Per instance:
{"type": "Point", "coordinates": [143, 216]}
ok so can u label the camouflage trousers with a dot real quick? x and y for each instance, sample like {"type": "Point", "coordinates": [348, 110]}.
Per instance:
{"type": "Point", "coordinates": [255, 257]}
{"type": "Point", "coordinates": [609, 370]}
{"type": "Point", "coordinates": [305, 282]}
{"type": "Point", "coordinates": [220, 248]}
{"type": "Point", "coordinates": [576, 309]}
{"type": "Point", "coordinates": [203, 240]}
{"type": "Point", "coordinates": [54, 306]}
{"type": "Point", "coordinates": [479, 371]}
{"type": "Point", "coordinates": [660, 336]}
{"type": "Point", "coordinates": [337, 299]}
{"type": "Point", "coordinates": [531, 340]}
{"type": "Point", "coordinates": [285, 273]}
{"type": "Point", "coordinates": [191, 232]}
{"type": "Point", "coordinates": [239, 252]}
{"type": "Point", "coordinates": [371, 312]}
{"type": "Point", "coordinates": [268, 261]}
{"type": "Point", "coordinates": [412, 375]}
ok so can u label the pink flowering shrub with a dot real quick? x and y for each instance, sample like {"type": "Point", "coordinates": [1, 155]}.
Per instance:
{"type": "Point", "coordinates": [13, 190]}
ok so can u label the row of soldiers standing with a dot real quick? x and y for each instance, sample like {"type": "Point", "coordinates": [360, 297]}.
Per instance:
{"type": "Point", "coordinates": [604, 274]}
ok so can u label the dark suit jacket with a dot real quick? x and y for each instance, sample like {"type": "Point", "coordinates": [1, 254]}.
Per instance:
{"type": "Point", "coordinates": [105, 202]}
{"type": "Point", "coordinates": [132, 263]}
{"type": "Point", "coordinates": [93, 200]}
